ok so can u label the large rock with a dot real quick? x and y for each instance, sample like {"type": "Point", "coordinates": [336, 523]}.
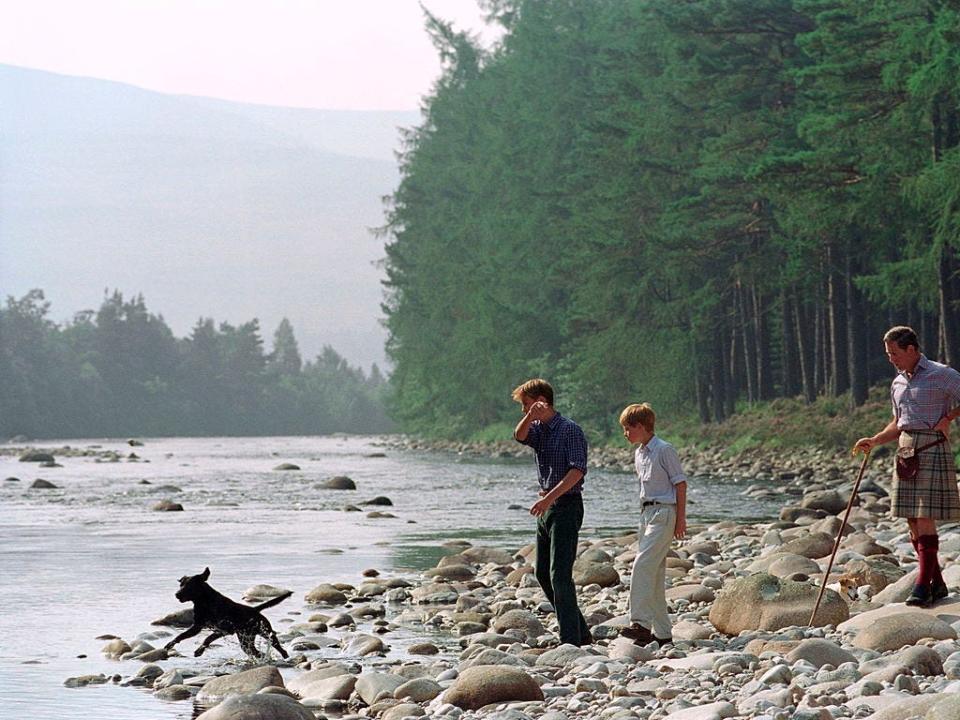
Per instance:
{"type": "Point", "coordinates": [910, 708]}
{"type": "Point", "coordinates": [36, 456]}
{"type": "Point", "coordinates": [326, 594]}
{"type": "Point", "coordinates": [814, 545]}
{"type": "Point", "coordinates": [452, 572]}
{"type": "Point", "coordinates": [946, 708]}
{"type": "Point", "coordinates": [586, 572]}
{"type": "Point", "coordinates": [482, 555]}
{"type": "Point", "coordinates": [371, 686]}
{"type": "Point", "coordinates": [710, 711]}
{"type": "Point", "coordinates": [764, 602]}
{"type": "Point", "coordinates": [246, 682]}
{"type": "Point", "coordinates": [898, 591]}
{"type": "Point", "coordinates": [695, 593]}
{"type": "Point", "coordinates": [259, 593]}
{"type": "Point", "coordinates": [787, 564]}
{"type": "Point", "coordinates": [338, 687]}
{"type": "Point", "coordinates": [820, 652]}
{"type": "Point", "coordinates": [523, 620]}
{"type": "Point", "coordinates": [486, 684]}
{"type": "Point", "coordinates": [362, 644]}
{"type": "Point", "coordinates": [268, 706]}
{"type": "Point", "coordinates": [403, 710]}
{"type": "Point", "coordinates": [339, 482]}
{"type": "Point", "coordinates": [301, 683]}
{"type": "Point", "coordinates": [828, 500]}
{"type": "Point", "coordinates": [418, 690]}
{"type": "Point", "coordinates": [894, 631]}
{"type": "Point", "coordinates": [562, 656]}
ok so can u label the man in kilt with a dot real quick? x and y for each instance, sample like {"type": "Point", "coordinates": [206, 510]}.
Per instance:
{"type": "Point", "coordinates": [926, 399]}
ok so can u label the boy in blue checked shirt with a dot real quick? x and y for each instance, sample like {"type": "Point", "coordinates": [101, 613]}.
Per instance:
{"type": "Point", "coordinates": [561, 452]}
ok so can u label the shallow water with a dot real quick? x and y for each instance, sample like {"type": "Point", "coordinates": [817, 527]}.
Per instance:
{"type": "Point", "coordinates": [91, 557]}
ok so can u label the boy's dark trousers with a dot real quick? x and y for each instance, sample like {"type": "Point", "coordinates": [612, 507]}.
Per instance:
{"type": "Point", "coordinates": [557, 535]}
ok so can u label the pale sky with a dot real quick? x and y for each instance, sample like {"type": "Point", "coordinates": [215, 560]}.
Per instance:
{"type": "Point", "coordinates": [330, 54]}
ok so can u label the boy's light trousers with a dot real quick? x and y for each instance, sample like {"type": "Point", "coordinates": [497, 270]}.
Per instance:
{"type": "Point", "coordinates": [648, 604]}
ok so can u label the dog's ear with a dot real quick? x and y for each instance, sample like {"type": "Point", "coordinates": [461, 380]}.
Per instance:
{"type": "Point", "coordinates": [205, 574]}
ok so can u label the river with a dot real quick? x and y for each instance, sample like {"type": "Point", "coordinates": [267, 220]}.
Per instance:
{"type": "Point", "coordinates": [91, 557]}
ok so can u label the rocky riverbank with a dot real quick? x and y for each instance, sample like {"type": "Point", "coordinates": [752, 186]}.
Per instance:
{"type": "Point", "coordinates": [485, 639]}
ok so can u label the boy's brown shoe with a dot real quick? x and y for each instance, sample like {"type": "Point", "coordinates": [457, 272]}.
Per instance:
{"type": "Point", "coordinates": [638, 633]}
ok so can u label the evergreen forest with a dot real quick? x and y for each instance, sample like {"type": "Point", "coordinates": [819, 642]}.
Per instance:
{"type": "Point", "coordinates": [120, 372]}
{"type": "Point", "coordinates": [698, 203]}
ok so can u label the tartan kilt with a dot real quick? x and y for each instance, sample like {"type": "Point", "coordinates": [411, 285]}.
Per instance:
{"type": "Point", "coordinates": [933, 494]}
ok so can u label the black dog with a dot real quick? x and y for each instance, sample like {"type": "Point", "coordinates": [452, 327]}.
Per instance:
{"type": "Point", "coordinates": [224, 616]}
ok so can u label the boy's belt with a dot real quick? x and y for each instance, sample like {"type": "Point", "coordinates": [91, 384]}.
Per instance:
{"type": "Point", "coordinates": [647, 503]}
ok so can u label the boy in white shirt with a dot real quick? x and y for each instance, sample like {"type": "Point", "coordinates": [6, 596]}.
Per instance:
{"type": "Point", "coordinates": [663, 517]}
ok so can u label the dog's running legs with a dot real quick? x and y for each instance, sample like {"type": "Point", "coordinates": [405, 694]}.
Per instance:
{"type": "Point", "coordinates": [188, 633]}
{"type": "Point", "coordinates": [275, 641]}
{"type": "Point", "coordinates": [212, 637]}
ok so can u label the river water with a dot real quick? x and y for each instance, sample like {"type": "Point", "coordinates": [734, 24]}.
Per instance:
{"type": "Point", "coordinates": [90, 557]}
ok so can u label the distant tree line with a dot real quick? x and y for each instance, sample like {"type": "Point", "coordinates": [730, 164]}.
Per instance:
{"type": "Point", "coordinates": [702, 203]}
{"type": "Point", "coordinates": [120, 371]}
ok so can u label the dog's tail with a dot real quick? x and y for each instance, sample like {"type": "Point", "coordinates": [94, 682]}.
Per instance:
{"type": "Point", "coordinates": [274, 601]}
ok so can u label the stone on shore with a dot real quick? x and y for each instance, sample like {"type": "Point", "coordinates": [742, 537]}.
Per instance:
{"type": "Point", "coordinates": [710, 711]}
{"type": "Point", "coordinates": [287, 466]}
{"type": "Point", "coordinates": [894, 631]}
{"type": "Point", "coordinates": [418, 690]}
{"type": "Point", "coordinates": [245, 682]}
{"type": "Point", "coordinates": [765, 602]}
{"type": "Point", "coordinates": [326, 594]}
{"type": "Point", "coordinates": [372, 686]}
{"type": "Point", "coordinates": [486, 684]}
{"type": "Point", "coordinates": [338, 482]}
{"type": "Point", "coordinates": [263, 592]}
{"type": "Point", "coordinates": [167, 505]}
{"type": "Point", "coordinates": [589, 573]}
{"type": "Point", "coordinates": [815, 545]}
{"type": "Point", "coordinates": [522, 620]}
{"type": "Point", "coordinates": [819, 652]}
{"type": "Point", "coordinates": [37, 456]}
{"type": "Point", "coordinates": [261, 706]}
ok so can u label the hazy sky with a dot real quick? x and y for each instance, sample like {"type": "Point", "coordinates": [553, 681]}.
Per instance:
{"type": "Point", "coordinates": [335, 54]}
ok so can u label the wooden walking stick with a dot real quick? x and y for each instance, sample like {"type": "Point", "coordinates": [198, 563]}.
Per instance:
{"type": "Point", "coordinates": [836, 544]}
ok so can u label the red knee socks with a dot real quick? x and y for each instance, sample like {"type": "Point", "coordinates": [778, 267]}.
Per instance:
{"type": "Point", "coordinates": [927, 548]}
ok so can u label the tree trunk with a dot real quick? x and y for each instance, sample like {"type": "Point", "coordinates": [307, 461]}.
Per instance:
{"type": "Point", "coordinates": [746, 328]}
{"type": "Point", "coordinates": [806, 340]}
{"type": "Point", "coordinates": [717, 377]}
{"type": "Point", "coordinates": [837, 326]}
{"type": "Point", "coordinates": [948, 296]}
{"type": "Point", "coordinates": [788, 360]}
{"type": "Point", "coordinates": [855, 339]}
{"type": "Point", "coordinates": [764, 372]}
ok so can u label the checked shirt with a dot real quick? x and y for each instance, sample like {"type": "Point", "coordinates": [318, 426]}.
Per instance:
{"type": "Point", "coordinates": [559, 445]}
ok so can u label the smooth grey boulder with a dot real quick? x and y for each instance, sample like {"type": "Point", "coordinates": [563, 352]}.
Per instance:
{"type": "Point", "coordinates": [37, 456]}
{"type": "Point", "coordinates": [245, 682]}
{"type": "Point", "coordinates": [522, 620]}
{"type": "Point", "coordinates": [894, 631]}
{"type": "Point", "coordinates": [372, 686]}
{"type": "Point", "coordinates": [338, 482]}
{"type": "Point", "coordinates": [486, 684]}
{"type": "Point", "coordinates": [326, 594]}
{"type": "Point", "coordinates": [262, 706]}
{"type": "Point", "coordinates": [820, 652]}
{"type": "Point", "coordinates": [765, 602]}
{"type": "Point", "coordinates": [419, 690]}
